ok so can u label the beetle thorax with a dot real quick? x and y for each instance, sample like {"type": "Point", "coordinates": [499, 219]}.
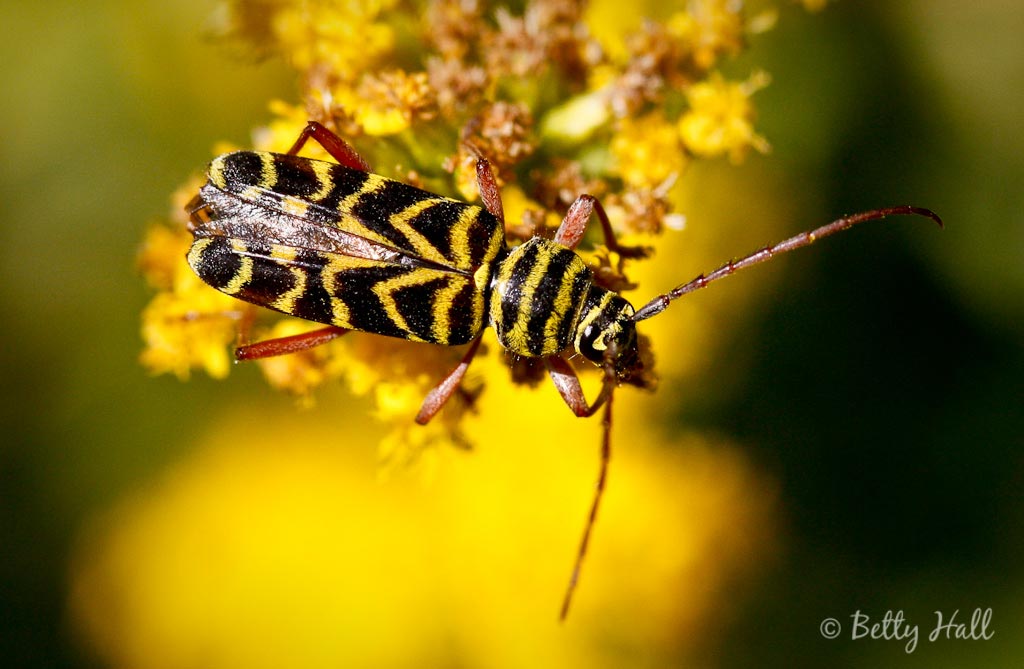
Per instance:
{"type": "Point", "coordinates": [537, 296]}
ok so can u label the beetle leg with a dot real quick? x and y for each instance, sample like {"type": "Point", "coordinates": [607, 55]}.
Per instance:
{"type": "Point", "coordinates": [443, 391]}
{"type": "Point", "coordinates": [488, 187]}
{"type": "Point", "coordinates": [339, 149]}
{"type": "Point", "coordinates": [570, 232]}
{"type": "Point", "coordinates": [568, 384]}
{"type": "Point", "coordinates": [285, 345]}
{"type": "Point", "coordinates": [602, 477]}
{"type": "Point", "coordinates": [487, 184]}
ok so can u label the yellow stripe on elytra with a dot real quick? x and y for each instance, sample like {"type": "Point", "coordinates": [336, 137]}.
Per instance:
{"type": "Point", "coordinates": [216, 173]}
{"type": "Point", "coordinates": [458, 237]}
{"type": "Point", "coordinates": [350, 223]}
{"type": "Point", "coordinates": [335, 266]}
{"type": "Point", "coordinates": [253, 193]}
{"type": "Point", "coordinates": [268, 170]}
{"type": "Point", "coordinates": [195, 254]}
{"type": "Point", "coordinates": [589, 318]}
{"type": "Point", "coordinates": [244, 273]}
{"type": "Point", "coordinates": [386, 290]}
{"type": "Point", "coordinates": [286, 301]}
{"type": "Point", "coordinates": [563, 300]}
{"type": "Point", "coordinates": [520, 331]}
{"type": "Point", "coordinates": [441, 307]}
{"type": "Point", "coordinates": [322, 170]}
{"type": "Point", "coordinates": [422, 245]}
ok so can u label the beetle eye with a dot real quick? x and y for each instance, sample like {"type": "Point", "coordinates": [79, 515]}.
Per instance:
{"type": "Point", "coordinates": [591, 345]}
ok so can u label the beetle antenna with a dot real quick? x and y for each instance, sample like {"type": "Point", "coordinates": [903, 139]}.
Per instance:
{"type": "Point", "coordinates": [658, 304]}
{"type": "Point", "coordinates": [606, 454]}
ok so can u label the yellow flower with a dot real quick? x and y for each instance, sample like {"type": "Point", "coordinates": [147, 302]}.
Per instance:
{"type": "Point", "coordinates": [160, 256]}
{"type": "Point", "coordinates": [388, 103]}
{"type": "Point", "coordinates": [299, 373]}
{"type": "Point", "coordinates": [342, 36]}
{"type": "Point", "coordinates": [710, 28]}
{"type": "Point", "coordinates": [647, 150]}
{"type": "Point", "coordinates": [271, 544]}
{"type": "Point", "coordinates": [187, 324]}
{"type": "Point", "coordinates": [720, 119]}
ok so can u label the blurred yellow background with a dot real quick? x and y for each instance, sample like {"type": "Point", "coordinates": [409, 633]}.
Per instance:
{"type": "Point", "coordinates": [840, 432]}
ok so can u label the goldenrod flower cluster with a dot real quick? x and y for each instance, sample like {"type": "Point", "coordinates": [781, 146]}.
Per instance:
{"type": "Point", "coordinates": [560, 98]}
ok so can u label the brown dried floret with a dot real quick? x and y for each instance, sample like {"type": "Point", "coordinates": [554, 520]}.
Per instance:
{"type": "Point", "coordinates": [457, 85]}
{"type": "Point", "coordinates": [503, 133]}
{"type": "Point", "coordinates": [654, 56]}
{"type": "Point", "coordinates": [558, 187]}
{"type": "Point", "coordinates": [642, 210]}
{"type": "Point", "coordinates": [453, 26]}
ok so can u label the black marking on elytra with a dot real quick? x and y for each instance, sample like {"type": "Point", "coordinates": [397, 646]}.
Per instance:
{"type": "Point", "coordinates": [479, 236]}
{"type": "Point", "coordinates": [271, 277]}
{"type": "Point", "coordinates": [218, 264]}
{"type": "Point", "coordinates": [462, 328]}
{"type": "Point", "coordinates": [376, 208]}
{"type": "Point", "coordinates": [415, 303]}
{"type": "Point", "coordinates": [354, 287]}
{"type": "Point", "coordinates": [314, 304]}
{"type": "Point", "coordinates": [435, 224]}
{"type": "Point", "coordinates": [241, 169]}
{"type": "Point", "coordinates": [344, 182]}
{"type": "Point", "coordinates": [295, 176]}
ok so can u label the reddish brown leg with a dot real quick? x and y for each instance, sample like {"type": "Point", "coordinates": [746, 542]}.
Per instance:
{"type": "Point", "coordinates": [339, 149]}
{"type": "Point", "coordinates": [443, 391]}
{"type": "Point", "coordinates": [570, 232]}
{"type": "Point", "coordinates": [488, 187]}
{"type": "Point", "coordinates": [606, 456]}
{"type": "Point", "coordinates": [568, 384]}
{"type": "Point", "coordinates": [285, 345]}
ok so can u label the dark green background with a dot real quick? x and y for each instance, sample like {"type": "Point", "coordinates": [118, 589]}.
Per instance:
{"type": "Point", "coordinates": [881, 384]}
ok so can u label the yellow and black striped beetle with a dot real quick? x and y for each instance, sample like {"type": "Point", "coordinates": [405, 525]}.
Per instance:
{"type": "Point", "coordinates": [336, 244]}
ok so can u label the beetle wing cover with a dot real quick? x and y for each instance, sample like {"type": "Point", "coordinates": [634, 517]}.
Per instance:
{"type": "Point", "coordinates": [334, 245]}
{"type": "Point", "coordinates": [381, 211]}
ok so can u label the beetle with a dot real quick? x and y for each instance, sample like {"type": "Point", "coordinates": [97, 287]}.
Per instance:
{"type": "Point", "coordinates": [337, 244]}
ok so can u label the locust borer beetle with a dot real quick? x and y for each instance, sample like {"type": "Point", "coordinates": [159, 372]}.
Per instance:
{"type": "Point", "coordinates": [336, 244]}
